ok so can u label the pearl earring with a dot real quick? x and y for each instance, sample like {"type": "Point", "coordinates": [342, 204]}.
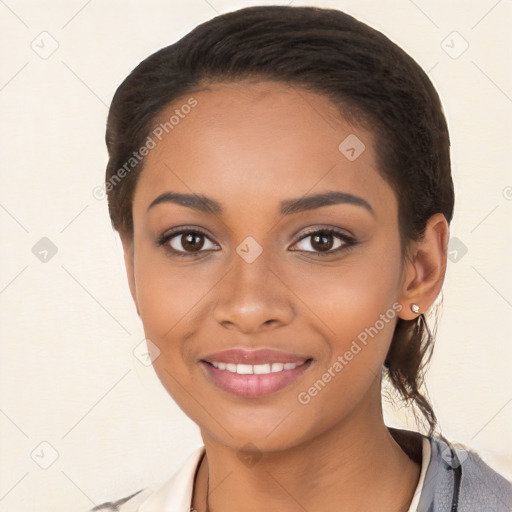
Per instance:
{"type": "Point", "coordinates": [415, 308]}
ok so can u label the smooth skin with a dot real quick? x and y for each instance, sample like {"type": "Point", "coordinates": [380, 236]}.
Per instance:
{"type": "Point", "coordinates": [250, 146]}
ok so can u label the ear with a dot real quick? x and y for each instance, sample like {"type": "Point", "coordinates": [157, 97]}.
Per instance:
{"type": "Point", "coordinates": [425, 268]}
{"type": "Point", "coordinates": [128, 250]}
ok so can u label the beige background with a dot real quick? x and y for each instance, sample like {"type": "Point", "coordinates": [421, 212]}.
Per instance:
{"type": "Point", "coordinates": [69, 377]}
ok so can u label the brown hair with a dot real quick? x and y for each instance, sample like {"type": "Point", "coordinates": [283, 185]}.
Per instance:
{"type": "Point", "coordinates": [372, 81]}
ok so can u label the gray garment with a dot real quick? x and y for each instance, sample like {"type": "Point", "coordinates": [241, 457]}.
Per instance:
{"type": "Point", "coordinates": [481, 489]}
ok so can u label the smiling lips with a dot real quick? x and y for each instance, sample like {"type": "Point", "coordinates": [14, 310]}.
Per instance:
{"type": "Point", "coordinates": [255, 373]}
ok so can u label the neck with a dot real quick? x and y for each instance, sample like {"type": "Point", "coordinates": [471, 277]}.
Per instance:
{"type": "Point", "coordinates": [356, 463]}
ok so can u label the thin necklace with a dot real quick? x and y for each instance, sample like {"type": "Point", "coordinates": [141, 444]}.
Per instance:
{"type": "Point", "coordinates": [207, 486]}
{"type": "Point", "coordinates": [207, 491]}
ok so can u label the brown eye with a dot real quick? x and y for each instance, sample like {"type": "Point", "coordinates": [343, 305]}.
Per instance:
{"type": "Point", "coordinates": [191, 241]}
{"type": "Point", "coordinates": [322, 242]}
{"type": "Point", "coordinates": [187, 242]}
{"type": "Point", "coordinates": [325, 242]}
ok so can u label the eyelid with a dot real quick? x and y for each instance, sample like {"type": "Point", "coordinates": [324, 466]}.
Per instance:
{"type": "Point", "coordinates": [348, 240]}
{"type": "Point", "coordinates": [326, 229]}
{"type": "Point", "coordinates": [164, 239]}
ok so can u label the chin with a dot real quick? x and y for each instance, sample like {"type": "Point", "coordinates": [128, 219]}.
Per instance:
{"type": "Point", "coordinates": [272, 431]}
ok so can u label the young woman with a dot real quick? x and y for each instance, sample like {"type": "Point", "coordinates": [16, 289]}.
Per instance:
{"type": "Point", "coordinates": [280, 180]}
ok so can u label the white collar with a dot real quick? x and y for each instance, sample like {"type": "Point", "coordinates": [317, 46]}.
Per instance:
{"type": "Point", "coordinates": [425, 461]}
{"type": "Point", "coordinates": [176, 494]}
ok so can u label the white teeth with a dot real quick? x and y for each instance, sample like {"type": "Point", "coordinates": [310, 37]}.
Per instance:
{"type": "Point", "coordinates": [261, 369]}
{"type": "Point", "coordinates": [244, 369]}
{"type": "Point", "coordinates": [258, 369]}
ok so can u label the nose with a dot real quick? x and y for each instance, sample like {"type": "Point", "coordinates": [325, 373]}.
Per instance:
{"type": "Point", "coordinates": [253, 297]}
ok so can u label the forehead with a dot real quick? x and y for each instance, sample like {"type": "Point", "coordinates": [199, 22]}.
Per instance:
{"type": "Point", "coordinates": [248, 142]}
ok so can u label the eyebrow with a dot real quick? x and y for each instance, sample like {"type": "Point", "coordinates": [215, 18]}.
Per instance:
{"type": "Point", "coordinates": [194, 201]}
{"type": "Point", "coordinates": [312, 202]}
{"type": "Point", "coordinates": [288, 207]}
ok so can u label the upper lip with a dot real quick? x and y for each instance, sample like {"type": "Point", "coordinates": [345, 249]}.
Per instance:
{"type": "Point", "coordinates": [259, 356]}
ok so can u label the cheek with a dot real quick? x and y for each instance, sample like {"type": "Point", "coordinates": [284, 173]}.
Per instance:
{"type": "Point", "coordinates": [351, 297]}
{"type": "Point", "coordinates": [168, 298]}
{"type": "Point", "coordinates": [169, 293]}
{"type": "Point", "coordinates": [357, 308]}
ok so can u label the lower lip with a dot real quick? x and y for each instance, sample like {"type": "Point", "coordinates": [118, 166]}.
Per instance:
{"type": "Point", "coordinates": [254, 386]}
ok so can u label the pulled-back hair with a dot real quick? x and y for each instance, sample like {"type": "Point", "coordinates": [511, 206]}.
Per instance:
{"type": "Point", "coordinates": [373, 83]}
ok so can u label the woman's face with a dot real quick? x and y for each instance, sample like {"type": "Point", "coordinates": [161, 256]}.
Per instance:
{"type": "Point", "coordinates": [243, 261]}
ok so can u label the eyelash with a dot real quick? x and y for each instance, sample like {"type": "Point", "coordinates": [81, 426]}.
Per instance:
{"type": "Point", "coordinates": [349, 242]}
